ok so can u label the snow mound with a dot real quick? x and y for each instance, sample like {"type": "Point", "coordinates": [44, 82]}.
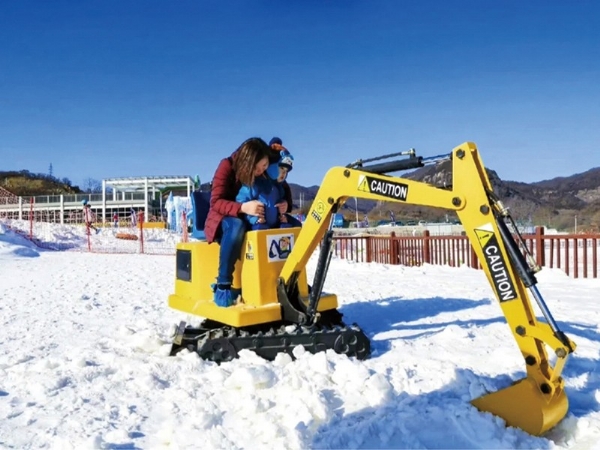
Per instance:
{"type": "Point", "coordinates": [11, 244]}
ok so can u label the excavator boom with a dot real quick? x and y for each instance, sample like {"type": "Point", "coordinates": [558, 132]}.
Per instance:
{"type": "Point", "coordinates": [535, 403]}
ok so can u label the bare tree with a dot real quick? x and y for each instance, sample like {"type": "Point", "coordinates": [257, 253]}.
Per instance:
{"type": "Point", "coordinates": [92, 186]}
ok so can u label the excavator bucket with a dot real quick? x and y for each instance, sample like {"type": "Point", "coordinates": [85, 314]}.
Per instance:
{"type": "Point", "coordinates": [523, 405]}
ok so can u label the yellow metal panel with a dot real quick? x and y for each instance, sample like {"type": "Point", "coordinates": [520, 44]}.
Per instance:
{"type": "Point", "coordinates": [205, 265]}
{"type": "Point", "coordinates": [239, 315]}
{"type": "Point", "coordinates": [264, 254]}
{"type": "Point", "coordinates": [326, 302]}
{"type": "Point", "coordinates": [161, 225]}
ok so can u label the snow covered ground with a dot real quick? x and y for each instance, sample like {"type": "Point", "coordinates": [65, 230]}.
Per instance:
{"type": "Point", "coordinates": [54, 236]}
{"type": "Point", "coordinates": [83, 362]}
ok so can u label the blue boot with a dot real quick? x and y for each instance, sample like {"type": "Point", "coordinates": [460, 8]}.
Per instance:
{"type": "Point", "coordinates": [224, 296]}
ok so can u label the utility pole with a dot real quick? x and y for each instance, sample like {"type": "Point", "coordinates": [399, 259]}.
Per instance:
{"type": "Point", "coordinates": [575, 223]}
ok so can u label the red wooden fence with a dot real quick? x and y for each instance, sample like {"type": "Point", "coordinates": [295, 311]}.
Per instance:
{"type": "Point", "coordinates": [576, 254]}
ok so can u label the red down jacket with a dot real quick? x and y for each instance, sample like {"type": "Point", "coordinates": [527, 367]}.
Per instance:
{"type": "Point", "coordinates": [225, 187]}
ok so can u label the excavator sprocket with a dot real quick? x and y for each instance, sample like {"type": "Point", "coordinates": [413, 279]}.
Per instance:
{"type": "Point", "coordinates": [214, 341]}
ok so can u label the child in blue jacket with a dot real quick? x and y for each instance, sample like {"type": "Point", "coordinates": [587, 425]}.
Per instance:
{"type": "Point", "coordinates": [268, 190]}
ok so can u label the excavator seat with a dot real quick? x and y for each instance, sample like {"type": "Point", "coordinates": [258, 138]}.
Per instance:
{"type": "Point", "coordinates": [200, 207]}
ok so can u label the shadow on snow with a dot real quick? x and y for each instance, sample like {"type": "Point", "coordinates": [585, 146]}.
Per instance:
{"type": "Point", "coordinates": [443, 418]}
{"type": "Point", "coordinates": [394, 313]}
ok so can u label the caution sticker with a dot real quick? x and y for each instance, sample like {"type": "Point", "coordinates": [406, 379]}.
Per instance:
{"type": "Point", "coordinates": [389, 189]}
{"type": "Point", "coordinates": [249, 251]}
{"type": "Point", "coordinates": [496, 263]}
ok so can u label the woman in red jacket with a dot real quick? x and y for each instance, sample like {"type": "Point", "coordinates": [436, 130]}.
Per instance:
{"type": "Point", "coordinates": [223, 222]}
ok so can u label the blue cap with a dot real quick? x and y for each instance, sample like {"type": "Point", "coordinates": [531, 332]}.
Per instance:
{"type": "Point", "coordinates": [286, 160]}
{"type": "Point", "coordinates": [275, 140]}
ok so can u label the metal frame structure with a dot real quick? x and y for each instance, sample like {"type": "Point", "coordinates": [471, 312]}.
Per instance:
{"type": "Point", "coordinates": [133, 192]}
{"type": "Point", "coordinates": [143, 185]}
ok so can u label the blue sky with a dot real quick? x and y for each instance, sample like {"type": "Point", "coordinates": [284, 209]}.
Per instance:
{"type": "Point", "coordinates": [109, 88]}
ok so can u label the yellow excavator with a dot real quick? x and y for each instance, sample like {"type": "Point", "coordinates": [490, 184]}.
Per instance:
{"type": "Point", "coordinates": [278, 310]}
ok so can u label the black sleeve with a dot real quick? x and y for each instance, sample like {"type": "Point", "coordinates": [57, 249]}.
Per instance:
{"type": "Point", "coordinates": [288, 195]}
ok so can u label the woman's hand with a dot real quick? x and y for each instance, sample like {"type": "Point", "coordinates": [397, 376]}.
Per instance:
{"type": "Point", "coordinates": [282, 207]}
{"type": "Point", "coordinates": [253, 208]}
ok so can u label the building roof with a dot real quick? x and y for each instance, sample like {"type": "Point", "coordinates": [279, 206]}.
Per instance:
{"type": "Point", "coordinates": [8, 197]}
{"type": "Point", "coordinates": [132, 184]}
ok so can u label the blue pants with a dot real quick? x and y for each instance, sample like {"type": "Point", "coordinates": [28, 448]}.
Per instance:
{"type": "Point", "coordinates": [233, 231]}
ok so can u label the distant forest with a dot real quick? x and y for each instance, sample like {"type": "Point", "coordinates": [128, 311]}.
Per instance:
{"type": "Point", "coordinates": [26, 183]}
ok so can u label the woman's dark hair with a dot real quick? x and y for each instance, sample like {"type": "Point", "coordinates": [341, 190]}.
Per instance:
{"type": "Point", "coordinates": [246, 157]}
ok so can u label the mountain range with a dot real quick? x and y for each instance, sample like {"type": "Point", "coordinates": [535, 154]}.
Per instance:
{"type": "Point", "coordinates": [563, 202]}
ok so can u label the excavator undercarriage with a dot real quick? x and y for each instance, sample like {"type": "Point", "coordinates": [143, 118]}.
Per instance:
{"type": "Point", "coordinates": [215, 342]}
{"type": "Point", "coordinates": [278, 311]}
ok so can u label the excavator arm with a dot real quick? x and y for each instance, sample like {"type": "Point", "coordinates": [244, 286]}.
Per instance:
{"type": "Point", "coordinates": [534, 403]}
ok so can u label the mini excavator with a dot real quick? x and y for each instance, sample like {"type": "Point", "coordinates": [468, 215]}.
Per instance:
{"type": "Point", "coordinates": [278, 310]}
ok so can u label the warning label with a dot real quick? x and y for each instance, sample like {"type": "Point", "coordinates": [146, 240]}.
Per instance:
{"type": "Point", "coordinates": [397, 191]}
{"type": "Point", "coordinates": [363, 184]}
{"type": "Point", "coordinates": [505, 288]}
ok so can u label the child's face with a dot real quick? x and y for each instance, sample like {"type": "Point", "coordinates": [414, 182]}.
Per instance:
{"type": "Point", "coordinates": [282, 174]}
